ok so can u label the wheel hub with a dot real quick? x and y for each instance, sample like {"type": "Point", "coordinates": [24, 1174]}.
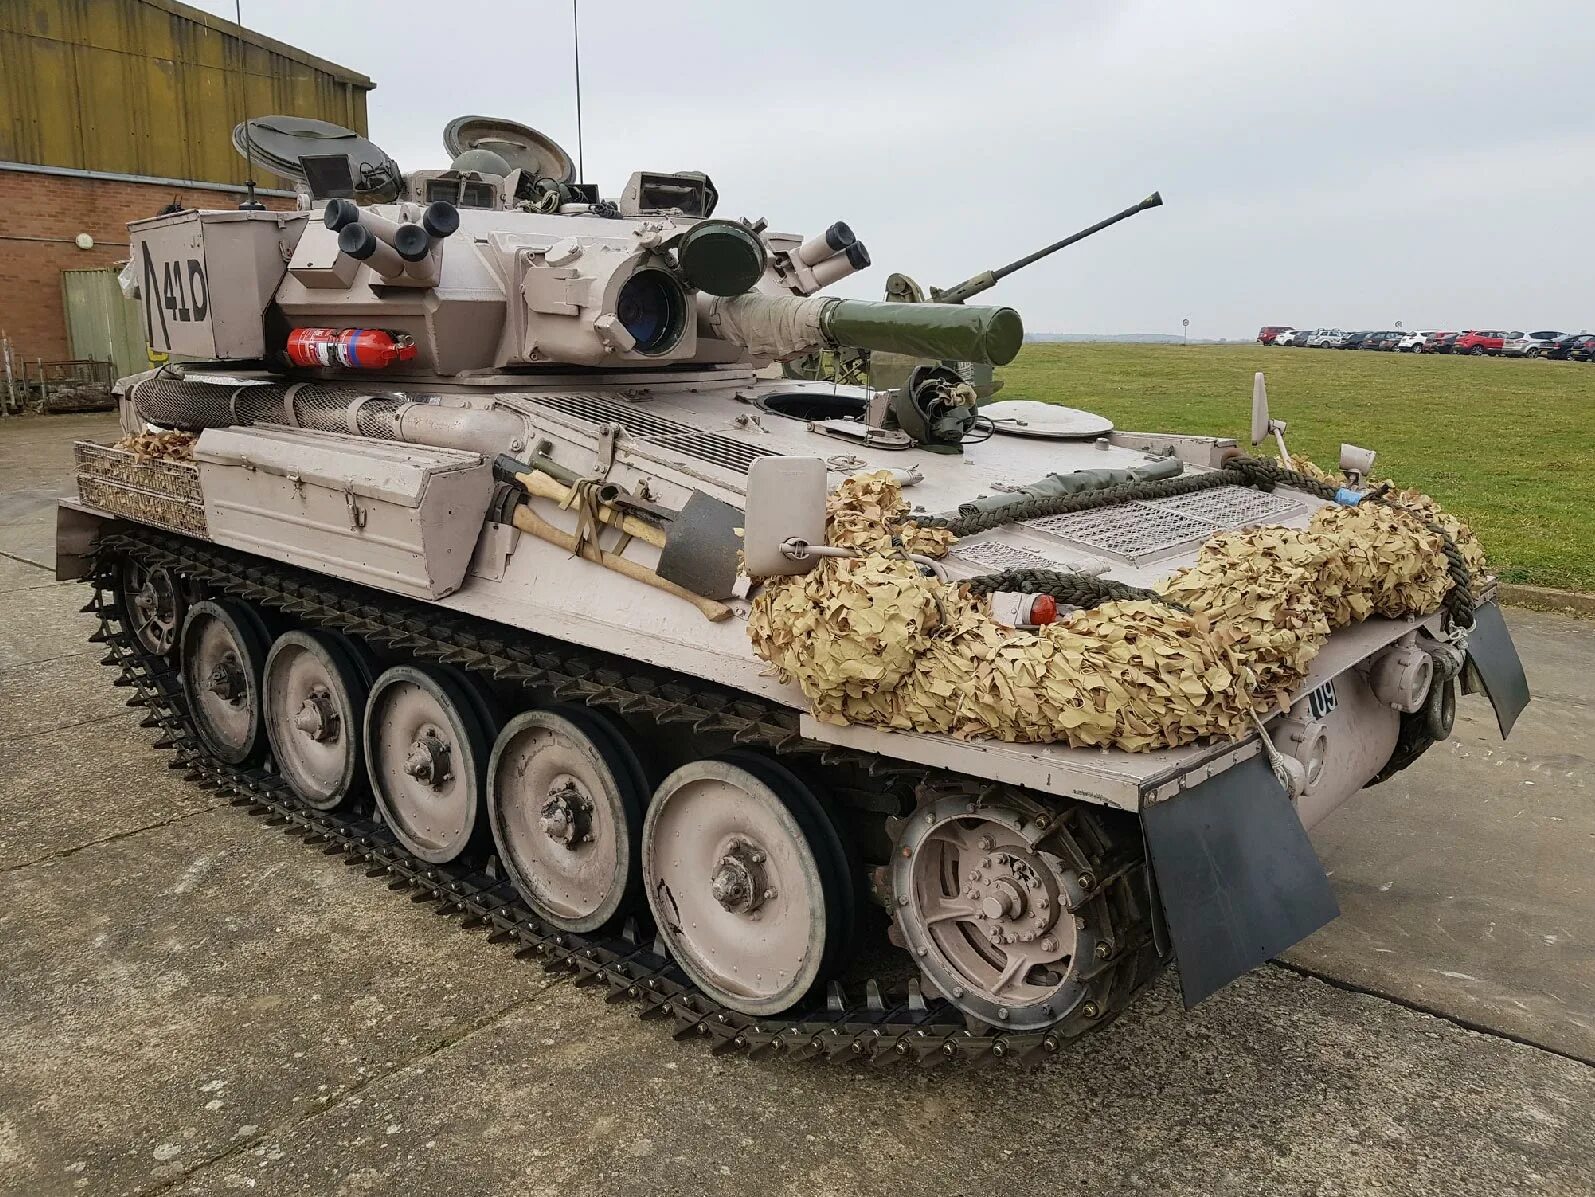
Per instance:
{"type": "Point", "coordinates": [430, 758]}
{"type": "Point", "coordinates": [226, 679]}
{"type": "Point", "coordinates": [317, 716]}
{"type": "Point", "coordinates": [567, 815]}
{"type": "Point", "coordinates": [1014, 903]}
{"type": "Point", "coordinates": [739, 883]}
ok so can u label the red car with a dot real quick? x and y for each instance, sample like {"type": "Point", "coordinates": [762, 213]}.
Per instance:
{"type": "Point", "coordinates": [1482, 342]}
{"type": "Point", "coordinates": [1271, 332]}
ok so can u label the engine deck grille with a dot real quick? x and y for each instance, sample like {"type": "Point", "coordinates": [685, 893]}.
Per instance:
{"type": "Point", "coordinates": [658, 431]}
{"type": "Point", "coordinates": [1147, 528]}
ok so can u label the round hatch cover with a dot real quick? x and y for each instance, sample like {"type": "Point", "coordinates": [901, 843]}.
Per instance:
{"type": "Point", "coordinates": [279, 142]}
{"type": "Point", "coordinates": [1049, 421]}
{"type": "Point", "coordinates": [522, 146]}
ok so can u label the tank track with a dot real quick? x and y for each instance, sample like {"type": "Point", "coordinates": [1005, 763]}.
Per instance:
{"type": "Point", "coordinates": [892, 1025]}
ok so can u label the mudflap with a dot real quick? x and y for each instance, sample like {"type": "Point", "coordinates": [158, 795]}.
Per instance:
{"type": "Point", "coordinates": [1238, 879]}
{"type": "Point", "coordinates": [1494, 664]}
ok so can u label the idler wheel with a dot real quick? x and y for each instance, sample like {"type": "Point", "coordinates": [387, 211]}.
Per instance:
{"type": "Point", "coordinates": [747, 881]}
{"type": "Point", "coordinates": [152, 604]}
{"type": "Point", "coordinates": [224, 648]}
{"type": "Point", "coordinates": [565, 798]}
{"type": "Point", "coordinates": [996, 911]}
{"type": "Point", "coordinates": [315, 701]}
{"type": "Point", "coordinates": [426, 750]}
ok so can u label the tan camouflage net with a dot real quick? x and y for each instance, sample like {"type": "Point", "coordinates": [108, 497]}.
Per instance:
{"type": "Point", "coordinates": [871, 640]}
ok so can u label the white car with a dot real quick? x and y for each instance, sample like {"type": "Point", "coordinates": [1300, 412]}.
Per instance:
{"type": "Point", "coordinates": [1529, 344]}
{"type": "Point", "coordinates": [1293, 336]}
{"type": "Point", "coordinates": [1324, 338]}
{"type": "Point", "coordinates": [1413, 342]}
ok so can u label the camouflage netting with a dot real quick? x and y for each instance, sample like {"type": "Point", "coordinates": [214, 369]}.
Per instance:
{"type": "Point", "coordinates": [871, 640]}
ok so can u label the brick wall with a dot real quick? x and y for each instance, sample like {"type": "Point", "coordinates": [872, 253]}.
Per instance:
{"type": "Point", "coordinates": [60, 207]}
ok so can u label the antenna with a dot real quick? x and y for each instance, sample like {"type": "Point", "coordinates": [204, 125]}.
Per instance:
{"type": "Point", "coordinates": [576, 41]}
{"type": "Point", "coordinates": [251, 203]}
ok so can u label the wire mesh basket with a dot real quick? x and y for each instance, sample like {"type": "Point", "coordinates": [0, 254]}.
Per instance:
{"type": "Point", "coordinates": [163, 493]}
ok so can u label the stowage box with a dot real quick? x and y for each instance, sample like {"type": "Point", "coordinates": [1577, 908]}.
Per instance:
{"type": "Point", "coordinates": [402, 518]}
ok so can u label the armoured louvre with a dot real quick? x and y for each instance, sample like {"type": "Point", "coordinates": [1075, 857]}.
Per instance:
{"type": "Point", "coordinates": [492, 424]}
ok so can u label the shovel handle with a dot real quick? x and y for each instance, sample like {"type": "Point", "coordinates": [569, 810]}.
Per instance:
{"type": "Point", "coordinates": [527, 521]}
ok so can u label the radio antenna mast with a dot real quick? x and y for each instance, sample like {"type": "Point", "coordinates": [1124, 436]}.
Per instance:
{"type": "Point", "coordinates": [576, 42]}
{"type": "Point", "coordinates": [250, 203]}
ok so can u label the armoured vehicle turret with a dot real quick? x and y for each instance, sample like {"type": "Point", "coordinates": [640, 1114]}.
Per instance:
{"type": "Point", "coordinates": [463, 533]}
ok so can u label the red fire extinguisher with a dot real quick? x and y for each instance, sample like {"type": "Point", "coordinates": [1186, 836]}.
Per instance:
{"type": "Point", "coordinates": [352, 348]}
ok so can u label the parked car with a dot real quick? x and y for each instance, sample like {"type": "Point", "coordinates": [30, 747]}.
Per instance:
{"type": "Point", "coordinates": [1270, 333]}
{"type": "Point", "coordinates": [1385, 342]}
{"type": "Point", "coordinates": [1532, 344]}
{"type": "Point", "coordinates": [1483, 341]}
{"type": "Point", "coordinates": [1354, 340]}
{"type": "Point", "coordinates": [1562, 348]}
{"type": "Point", "coordinates": [1321, 337]}
{"type": "Point", "coordinates": [1294, 336]}
{"type": "Point", "coordinates": [1583, 349]}
{"type": "Point", "coordinates": [1413, 342]}
{"type": "Point", "coordinates": [1448, 343]}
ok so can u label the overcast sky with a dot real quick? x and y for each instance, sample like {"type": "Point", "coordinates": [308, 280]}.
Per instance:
{"type": "Point", "coordinates": [1351, 165]}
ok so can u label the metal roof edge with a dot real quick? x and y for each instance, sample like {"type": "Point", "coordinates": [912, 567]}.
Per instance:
{"type": "Point", "coordinates": [244, 33]}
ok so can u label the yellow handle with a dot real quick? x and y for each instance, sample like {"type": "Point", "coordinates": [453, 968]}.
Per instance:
{"type": "Point", "coordinates": [544, 487]}
{"type": "Point", "coordinates": [528, 522]}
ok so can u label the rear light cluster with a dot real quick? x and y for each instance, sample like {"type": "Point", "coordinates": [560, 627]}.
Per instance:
{"type": "Point", "coordinates": [1025, 610]}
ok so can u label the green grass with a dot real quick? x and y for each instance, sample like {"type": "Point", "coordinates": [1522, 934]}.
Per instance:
{"type": "Point", "coordinates": [1507, 445]}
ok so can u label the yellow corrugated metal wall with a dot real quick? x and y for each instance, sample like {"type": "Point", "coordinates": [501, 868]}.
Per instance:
{"type": "Point", "coordinates": [150, 87]}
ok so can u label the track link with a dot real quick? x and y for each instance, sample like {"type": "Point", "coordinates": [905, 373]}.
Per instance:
{"type": "Point", "coordinates": [890, 1026]}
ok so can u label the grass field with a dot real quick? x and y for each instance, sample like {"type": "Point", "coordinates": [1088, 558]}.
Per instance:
{"type": "Point", "coordinates": [1507, 445]}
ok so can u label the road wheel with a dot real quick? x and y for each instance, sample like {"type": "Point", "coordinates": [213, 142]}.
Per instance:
{"type": "Point", "coordinates": [315, 699]}
{"type": "Point", "coordinates": [1477, 351]}
{"type": "Point", "coordinates": [426, 752]}
{"type": "Point", "coordinates": [748, 882]}
{"type": "Point", "coordinates": [224, 646]}
{"type": "Point", "coordinates": [153, 605]}
{"type": "Point", "coordinates": [565, 799]}
{"type": "Point", "coordinates": [1531, 353]}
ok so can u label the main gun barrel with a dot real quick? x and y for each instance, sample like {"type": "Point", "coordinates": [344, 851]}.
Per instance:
{"type": "Point", "coordinates": [987, 279]}
{"type": "Point", "coordinates": [780, 326]}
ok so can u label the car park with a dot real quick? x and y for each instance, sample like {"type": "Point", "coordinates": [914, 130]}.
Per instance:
{"type": "Point", "coordinates": [1562, 348]}
{"type": "Point", "coordinates": [1532, 344]}
{"type": "Point", "coordinates": [1484, 341]}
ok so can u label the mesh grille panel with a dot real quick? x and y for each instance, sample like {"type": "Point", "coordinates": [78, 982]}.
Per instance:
{"type": "Point", "coordinates": [997, 556]}
{"type": "Point", "coordinates": [650, 429]}
{"type": "Point", "coordinates": [1232, 506]}
{"type": "Point", "coordinates": [1148, 527]}
{"type": "Point", "coordinates": [1131, 530]}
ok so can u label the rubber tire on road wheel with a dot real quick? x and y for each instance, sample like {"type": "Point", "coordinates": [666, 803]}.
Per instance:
{"type": "Point", "coordinates": [536, 750]}
{"type": "Point", "coordinates": [232, 732]}
{"type": "Point", "coordinates": [1477, 351]}
{"type": "Point", "coordinates": [404, 700]}
{"type": "Point", "coordinates": [325, 775]}
{"type": "Point", "coordinates": [771, 807]}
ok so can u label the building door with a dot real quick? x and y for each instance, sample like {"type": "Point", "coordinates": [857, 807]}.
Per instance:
{"type": "Point", "coordinates": [101, 322]}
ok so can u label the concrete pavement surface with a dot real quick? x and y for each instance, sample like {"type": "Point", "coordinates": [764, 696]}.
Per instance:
{"type": "Point", "coordinates": [193, 1003]}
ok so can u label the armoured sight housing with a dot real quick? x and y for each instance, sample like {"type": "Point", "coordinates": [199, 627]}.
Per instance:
{"type": "Point", "coordinates": [455, 574]}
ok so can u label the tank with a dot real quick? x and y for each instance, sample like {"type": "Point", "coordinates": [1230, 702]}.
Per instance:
{"type": "Point", "coordinates": [464, 533]}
